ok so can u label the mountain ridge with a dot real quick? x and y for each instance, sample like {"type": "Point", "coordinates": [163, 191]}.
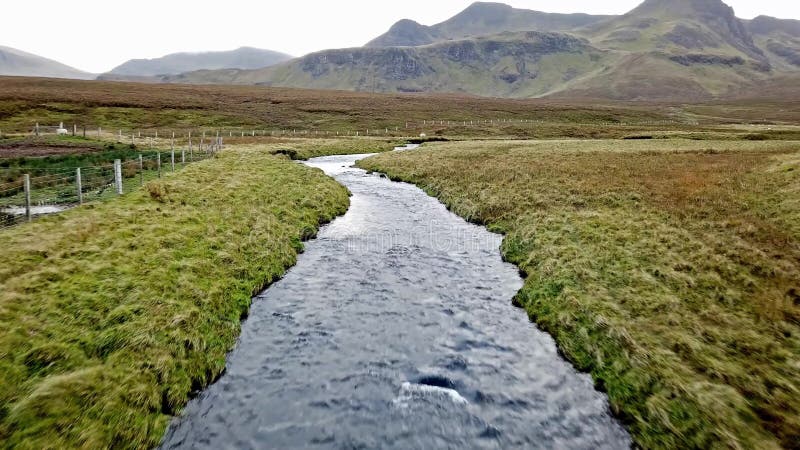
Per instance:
{"type": "Point", "coordinates": [660, 50]}
{"type": "Point", "coordinates": [175, 63]}
{"type": "Point", "coordinates": [14, 62]}
{"type": "Point", "coordinates": [479, 19]}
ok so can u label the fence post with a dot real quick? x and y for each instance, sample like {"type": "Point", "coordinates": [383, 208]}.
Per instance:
{"type": "Point", "coordinates": [37, 129]}
{"type": "Point", "coordinates": [118, 175]}
{"type": "Point", "coordinates": [172, 152]}
{"type": "Point", "coordinates": [141, 170]}
{"type": "Point", "coordinates": [158, 164]}
{"type": "Point", "coordinates": [74, 129]}
{"type": "Point", "coordinates": [191, 151]}
{"type": "Point", "coordinates": [27, 186]}
{"type": "Point", "coordinates": [84, 131]}
{"type": "Point", "coordinates": [79, 185]}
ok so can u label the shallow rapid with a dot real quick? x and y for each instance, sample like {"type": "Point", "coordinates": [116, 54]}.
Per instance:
{"type": "Point", "coordinates": [395, 330]}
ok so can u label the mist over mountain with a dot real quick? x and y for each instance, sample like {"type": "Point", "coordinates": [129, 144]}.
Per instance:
{"type": "Point", "coordinates": [19, 63]}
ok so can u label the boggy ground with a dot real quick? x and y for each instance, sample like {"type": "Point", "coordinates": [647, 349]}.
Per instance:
{"type": "Point", "coordinates": [113, 313]}
{"type": "Point", "coordinates": [668, 269]}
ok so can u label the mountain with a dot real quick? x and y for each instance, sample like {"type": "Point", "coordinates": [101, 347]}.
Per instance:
{"type": "Point", "coordinates": [242, 58]}
{"type": "Point", "coordinates": [480, 19]}
{"type": "Point", "coordinates": [522, 64]}
{"type": "Point", "coordinates": [677, 27]}
{"type": "Point", "coordinates": [685, 50]}
{"type": "Point", "coordinates": [780, 39]}
{"type": "Point", "coordinates": [18, 63]}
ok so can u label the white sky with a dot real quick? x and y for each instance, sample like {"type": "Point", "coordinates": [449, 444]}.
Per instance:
{"type": "Point", "coordinates": [97, 35]}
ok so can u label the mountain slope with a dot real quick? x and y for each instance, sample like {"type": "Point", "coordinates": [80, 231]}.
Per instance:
{"type": "Point", "coordinates": [780, 40]}
{"type": "Point", "coordinates": [662, 50]}
{"type": "Point", "coordinates": [242, 58]}
{"type": "Point", "coordinates": [678, 27]}
{"type": "Point", "coordinates": [507, 65]}
{"type": "Point", "coordinates": [18, 63]}
{"type": "Point", "coordinates": [480, 19]}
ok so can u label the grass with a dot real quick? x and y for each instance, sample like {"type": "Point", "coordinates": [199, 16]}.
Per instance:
{"type": "Point", "coordinates": [70, 154]}
{"type": "Point", "coordinates": [303, 149]}
{"type": "Point", "coordinates": [670, 270]}
{"type": "Point", "coordinates": [113, 314]}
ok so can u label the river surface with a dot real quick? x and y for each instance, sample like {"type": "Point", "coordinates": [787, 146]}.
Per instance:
{"type": "Point", "coordinates": [395, 330]}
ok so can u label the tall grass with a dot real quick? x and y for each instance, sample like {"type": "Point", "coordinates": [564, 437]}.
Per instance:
{"type": "Point", "coordinates": [669, 270]}
{"type": "Point", "coordinates": [113, 314]}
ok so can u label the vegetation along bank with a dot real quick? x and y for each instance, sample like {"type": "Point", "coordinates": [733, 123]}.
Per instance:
{"type": "Point", "coordinates": [670, 270]}
{"type": "Point", "coordinates": [141, 297]}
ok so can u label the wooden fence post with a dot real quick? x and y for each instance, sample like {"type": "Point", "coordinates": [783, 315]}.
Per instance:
{"type": "Point", "coordinates": [118, 175]}
{"type": "Point", "coordinates": [27, 187]}
{"type": "Point", "coordinates": [172, 151]}
{"type": "Point", "coordinates": [158, 164]}
{"type": "Point", "coordinates": [141, 170]}
{"type": "Point", "coordinates": [79, 185]}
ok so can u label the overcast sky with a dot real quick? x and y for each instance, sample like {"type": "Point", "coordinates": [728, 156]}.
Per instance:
{"type": "Point", "coordinates": [97, 35]}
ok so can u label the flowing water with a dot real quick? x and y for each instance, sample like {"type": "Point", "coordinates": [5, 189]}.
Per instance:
{"type": "Point", "coordinates": [395, 330]}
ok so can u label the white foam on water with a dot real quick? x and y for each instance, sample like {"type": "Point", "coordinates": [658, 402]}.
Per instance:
{"type": "Point", "coordinates": [410, 391]}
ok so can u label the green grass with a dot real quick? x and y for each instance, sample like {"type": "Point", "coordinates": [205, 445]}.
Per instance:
{"type": "Point", "coordinates": [670, 270]}
{"type": "Point", "coordinates": [113, 313]}
{"type": "Point", "coordinates": [303, 149]}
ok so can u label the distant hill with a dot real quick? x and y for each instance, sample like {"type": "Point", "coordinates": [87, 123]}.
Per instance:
{"type": "Point", "coordinates": [241, 58]}
{"type": "Point", "coordinates": [18, 63]}
{"type": "Point", "coordinates": [662, 50]}
{"type": "Point", "coordinates": [480, 19]}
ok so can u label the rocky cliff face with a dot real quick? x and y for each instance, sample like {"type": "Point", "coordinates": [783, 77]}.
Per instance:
{"type": "Point", "coordinates": [663, 49]}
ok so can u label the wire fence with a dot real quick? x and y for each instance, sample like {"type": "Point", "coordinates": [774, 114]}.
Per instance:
{"type": "Point", "coordinates": [406, 128]}
{"type": "Point", "coordinates": [52, 190]}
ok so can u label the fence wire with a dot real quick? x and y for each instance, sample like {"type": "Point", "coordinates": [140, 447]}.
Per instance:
{"type": "Point", "coordinates": [55, 189]}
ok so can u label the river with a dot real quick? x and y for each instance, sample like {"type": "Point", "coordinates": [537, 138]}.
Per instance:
{"type": "Point", "coordinates": [395, 330]}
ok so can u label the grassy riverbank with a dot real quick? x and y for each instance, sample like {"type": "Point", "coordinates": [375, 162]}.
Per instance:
{"type": "Point", "coordinates": [668, 269]}
{"type": "Point", "coordinates": [303, 149]}
{"type": "Point", "coordinates": [112, 314]}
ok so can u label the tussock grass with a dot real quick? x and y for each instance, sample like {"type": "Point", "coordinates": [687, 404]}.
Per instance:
{"type": "Point", "coordinates": [111, 315]}
{"type": "Point", "coordinates": [668, 269]}
{"type": "Point", "coordinates": [303, 149]}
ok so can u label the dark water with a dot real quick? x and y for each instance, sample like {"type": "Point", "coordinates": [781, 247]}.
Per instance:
{"type": "Point", "coordinates": [396, 330]}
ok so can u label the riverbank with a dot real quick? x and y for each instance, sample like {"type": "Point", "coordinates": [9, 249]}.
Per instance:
{"type": "Point", "coordinates": [113, 314]}
{"type": "Point", "coordinates": [669, 270]}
